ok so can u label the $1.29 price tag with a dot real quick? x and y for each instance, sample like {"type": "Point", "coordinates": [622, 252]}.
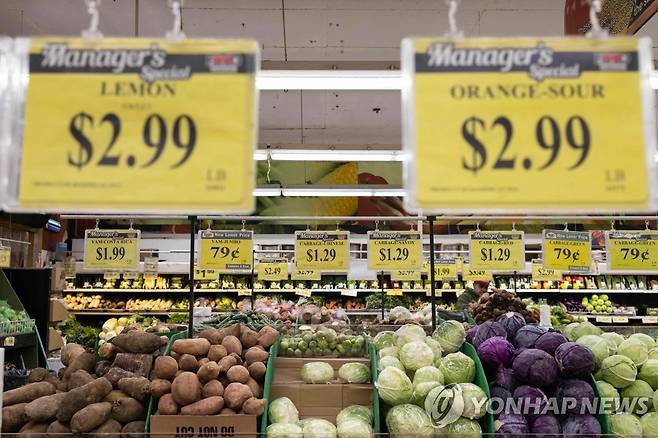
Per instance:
{"type": "Point", "coordinates": [138, 125]}
{"type": "Point", "coordinates": [111, 250]}
{"type": "Point", "coordinates": [497, 250]}
{"type": "Point", "coordinates": [394, 250]}
{"type": "Point", "coordinates": [632, 250]}
{"type": "Point", "coordinates": [225, 250]}
{"type": "Point", "coordinates": [273, 270]}
{"type": "Point", "coordinates": [322, 250]}
{"type": "Point", "coordinates": [567, 250]}
{"type": "Point", "coordinates": [539, 273]}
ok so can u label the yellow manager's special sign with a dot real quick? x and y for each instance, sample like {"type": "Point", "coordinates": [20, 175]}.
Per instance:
{"type": "Point", "coordinates": [529, 124]}
{"type": "Point", "coordinates": [112, 250]}
{"type": "Point", "coordinates": [632, 250]}
{"type": "Point", "coordinates": [138, 125]}
{"type": "Point", "coordinates": [497, 250]}
{"type": "Point", "coordinates": [394, 250]}
{"type": "Point", "coordinates": [225, 250]}
{"type": "Point", "coordinates": [322, 250]}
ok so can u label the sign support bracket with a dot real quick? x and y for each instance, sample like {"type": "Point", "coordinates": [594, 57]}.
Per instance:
{"type": "Point", "coordinates": [190, 323]}
{"type": "Point", "coordinates": [430, 220]}
{"type": "Point", "coordinates": [381, 285]}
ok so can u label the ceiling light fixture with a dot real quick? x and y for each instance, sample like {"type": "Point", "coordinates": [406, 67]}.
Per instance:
{"type": "Point", "coordinates": [271, 190]}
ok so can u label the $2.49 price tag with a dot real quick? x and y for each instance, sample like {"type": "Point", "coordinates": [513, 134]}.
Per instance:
{"type": "Point", "coordinates": [111, 250]}
{"type": "Point", "coordinates": [567, 250]}
{"type": "Point", "coordinates": [322, 250]}
{"type": "Point", "coordinates": [225, 250]}
{"type": "Point", "coordinates": [497, 250]}
{"type": "Point", "coordinates": [394, 250]}
{"type": "Point", "coordinates": [632, 250]}
{"type": "Point", "coordinates": [273, 270]}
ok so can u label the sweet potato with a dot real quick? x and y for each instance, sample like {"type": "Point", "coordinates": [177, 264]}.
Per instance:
{"type": "Point", "coordinates": [175, 355]}
{"type": "Point", "coordinates": [214, 336]}
{"type": "Point", "coordinates": [227, 411]}
{"type": "Point", "coordinates": [255, 354]}
{"type": "Point", "coordinates": [226, 363]}
{"type": "Point", "coordinates": [134, 429]}
{"type": "Point", "coordinates": [267, 336]}
{"type": "Point", "coordinates": [223, 380]}
{"type": "Point", "coordinates": [111, 428]}
{"type": "Point", "coordinates": [186, 389]}
{"type": "Point", "coordinates": [13, 417]}
{"type": "Point", "coordinates": [137, 363]}
{"type": "Point", "coordinates": [212, 388]}
{"type": "Point", "coordinates": [57, 429]}
{"type": "Point", "coordinates": [160, 387]}
{"type": "Point", "coordinates": [84, 361]}
{"type": "Point", "coordinates": [90, 417]}
{"type": "Point", "coordinates": [27, 393]}
{"type": "Point", "coordinates": [128, 409]}
{"type": "Point", "coordinates": [33, 430]}
{"type": "Point", "coordinates": [102, 368]}
{"type": "Point", "coordinates": [107, 351]}
{"type": "Point", "coordinates": [44, 408]}
{"type": "Point", "coordinates": [232, 345]}
{"type": "Point", "coordinates": [249, 338]}
{"type": "Point", "coordinates": [238, 373]}
{"type": "Point", "coordinates": [70, 351]}
{"type": "Point", "coordinates": [256, 389]}
{"type": "Point", "coordinates": [115, 395]}
{"type": "Point", "coordinates": [78, 398]}
{"type": "Point", "coordinates": [232, 330]}
{"type": "Point", "coordinates": [138, 388]}
{"type": "Point", "coordinates": [137, 341]}
{"type": "Point", "coordinates": [37, 375]}
{"type": "Point", "coordinates": [203, 361]}
{"type": "Point", "coordinates": [217, 353]}
{"type": "Point", "coordinates": [208, 406]}
{"type": "Point", "coordinates": [235, 395]}
{"type": "Point", "coordinates": [187, 362]}
{"type": "Point", "coordinates": [208, 372]}
{"type": "Point", "coordinates": [253, 406]}
{"type": "Point", "coordinates": [238, 358]}
{"type": "Point", "coordinates": [165, 367]}
{"type": "Point", "coordinates": [257, 371]}
{"type": "Point", "coordinates": [167, 405]}
{"type": "Point", "coordinates": [196, 347]}
{"type": "Point", "coordinates": [115, 374]}
{"type": "Point", "coordinates": [77, 379]}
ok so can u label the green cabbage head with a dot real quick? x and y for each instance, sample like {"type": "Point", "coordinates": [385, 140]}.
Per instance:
{"type": "Point", "coordinates": [355, 412]}
{"type": "Point", "coordinates": [457, 368]}
{"type": "Point", "coordinates": [354, 372]}
{"type": "Point", "coordinates": [635, 350]}
{"type": "Point", "coordinates": [609, 396]}
{"type": "Point", "coordinates": [450, 335]}
{"type": "Point", "coordinates": [649, 373]}
{"type": "Point", "coordinates": [354, 429]}
{"type": "Point", "coordinates": [394, 386]}
{"type": "Point", "coordinates": [415, 355]}
{"type": "Point", "coordinates": [390, 361]}
{"type": "Point", "coordinates": [649, 424]}
{"type": "Point", "coordinates": [318, 428]}
{"type": "Point", "coordinates": [625, 425]}
{"type": "Point", "coordinates": [317, 372]}
{"type": "Point", "coordinates": [409, 420]}
{"type": "Point", "coordinates": [618, 370]}
{"type": "Point", "coordinates": [283, 430]}
{"type": "Point", "coordinates": [283, 410]}
{"type": "Point", "coordinates": [475, 401]}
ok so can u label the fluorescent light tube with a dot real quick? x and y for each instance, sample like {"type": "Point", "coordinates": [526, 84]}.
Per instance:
{"type": "Point", "coordinates": [268, 191]}
{"type": "Point", "coordinates": [328, 155]}
{"type": "Point", "coordinates": [328, 80]}
{"type": "Point", "coordinates": [334, 191]}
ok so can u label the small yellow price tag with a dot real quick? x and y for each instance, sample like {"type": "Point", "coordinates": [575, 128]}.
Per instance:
{"type": "Point", "coordinates": [437, 292]}
{"type": "Point", "coordinates": [604, 319]}
{"type": "Point", "coordinates": [111, 275]}
{"type": "Point", "coordinates": [650, 320]}
{"type": "Point", "coordinates": [130, 275]}
{"type": "Point", "coordinates": [405, 275]}
{"type": "Point", "coordinates": [205, 274]}
{"type": "Point", "coordinates": [322, 250]}
{"type": "Point", "coordinates": [567, 250]}
{"type": "Point", "coordinates": [497, 250]}
{"type": "Point", "coordinates": [5, 256]}
{"type": "Point", "coordinates": [115, 250]}
{"type": "Point", "coordinates": [244, 292]}
{"type": "Point", "coordinates": [394, 292]}
{"type": "Point", "coordinates": [539, 273]}
{"type": "Point", "coordinates": [476, 274]}
{"type": "Point", "coordinates": [9, 341]}
{"type": "Point", "coordinates": [444, 269]}
{"type": "Point", "coordinates": [632, 250]}
{"type": "Point", "coordinates": [225, 250]}
{"type": "Point", "coordinates": [349, 292]}
{"type": "Point", "coordinates": [306, 275]}
{"type": "Point", "coordinates": [394, 250]}
{"type": "Point", "coordinates": [273, 269]}
{"type": "Point", "coordinates": [620, 319]}
{"type": "Point", "coordinates": [303, 292]}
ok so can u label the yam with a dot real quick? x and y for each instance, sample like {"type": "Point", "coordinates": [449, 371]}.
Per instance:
{"type": "Point", "coordinates": [57, 429]}
{"type": "Point", "coordinates": [232, 330]}
{"type": "Point", "coordinates": [255, 354]}
{"type": "Point", "coordinates": [37, 375]}
{"type": "Point", "coordinates": [253, 406]}
{"type": "Point", "coordinates": [217, 353]}
{"type": "Point", "coordinates": [227, 411]}
{"type": "Point", "coordinates": [90, 417]}
{"type": "Point", "coordinates": [214, 336]}
{"type": "Point", "coordinates": [128, 409]}
{"type": "Point", "coordinates": [196, 347]}
{"type": "Point", "coordinates": [78, 398]}
{"type": "Point", "coordinates": [256, 389]}
{"type": "Point", "coordinates": [267, 336]}
{"type": "Point", "coordinates": [137, 363]}
{"type": "Point", "coordinates": [44, 408]}
{"type": "Point", "coordinates": [186, 389]}
{"type": "Point", "coordinates": [187, 362]}
{"type": "Point", "coordinates": [137, 387]}
{"type": "Point", "coordinates": [134, 429]}
{"type": "Point", "coordinates": [110, 428]}
{"type": "Point", "coordinates": [102, 368]}
{"type": "Point", "coordinates": [13, 417]}
{"type": "Point", "coordinates": [223, 380]}
{"type": "Point", "coordinates": [201, 362]}
{"type": "Point", "coordinates": [235, 395]}
{"type": "Point", "coordinates": [137, 341]}
{"type": "Point", "coordinates": [257, 371]}
{"type": "Point", "coordinates": [160, 387]}
{"type": "Point", "coordinates": [167, 405]}
{"type": "Point", "coordinates": [175, 355]}
{"type": "Point", "coordinates": [52, 379]}
{"type": "Point", "coordinates": [165, 367]}
{"type": "Point", "coordinates": [115, 395]}
{"type": "Point", "coordinates": [232, 345]}
{"type": "Point", "coordinates": [84, 361]}
{"type": "Point", "coordinates": [226, 363]}
{"type": "Point", "coordinates": [212, 388]}
{"type": "Point", "coordinates": [238, 373]}
{"type": "Point", "coordinates": [249, 338]}
{"type": "Point", "coordinates": [77, 379]}
{"type": "Point", "coordinates": [107, 351]}
{"type": "Point", "coordinates": [237, 357]}
{"type": "Point", "coordinates": [27, 393]}
{"type": "Point", "coordinates": [208, 372]}
{"type": "Point", "coordinates": [70, 351]}
{"type": "Point", "coordinates": [115, 374]}
{"type": "Point", "coordinates": [208, 406]}
{"type": "Point", "coordinates": [33, 430]}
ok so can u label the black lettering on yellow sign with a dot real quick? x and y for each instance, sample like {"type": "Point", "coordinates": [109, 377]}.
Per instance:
{"type": "Point", "coordinates": [137, 88]}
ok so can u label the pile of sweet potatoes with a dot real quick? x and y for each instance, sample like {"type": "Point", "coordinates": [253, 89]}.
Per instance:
{"type": "Point", "coordinates": [220, 372]}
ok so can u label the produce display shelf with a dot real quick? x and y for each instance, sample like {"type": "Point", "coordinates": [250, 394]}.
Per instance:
{"type": "Point", "coordinates": [124, 312]}
{"type": "Point", "coordinates": [584, 291]}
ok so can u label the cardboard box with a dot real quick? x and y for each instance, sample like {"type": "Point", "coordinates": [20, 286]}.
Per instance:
{"type": "Point", "coordinates": [208, 426]}
{"type": "Point", "coordinates": [54, 341]}
{"type": "Point", "coordinates": [58, 310]}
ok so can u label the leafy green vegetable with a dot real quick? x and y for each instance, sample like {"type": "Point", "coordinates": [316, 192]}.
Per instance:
{"type": "Point", "coordinates": [81, 334]}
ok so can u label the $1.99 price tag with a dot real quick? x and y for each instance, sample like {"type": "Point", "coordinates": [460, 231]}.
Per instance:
{"type": "Point", "coordinates": [632, 250]}
{"type": "Point", "coordinates": [273, 270]}
{"type": "Point", "coordinates": [569, 251]}
{"type": "Point", "coordinates": [497, 250]}
{"type": "Point", "coordinates": [111, 250]}
{"type": "Point", "coordinates": [225, 250]}
{"type": "Point", "coordinates": [394, 250]}
{"type": "Point", "coordinates": [322, 250]}
{"type": "Point", "coordinates": [444, 269]}
{"type": "Point", "coordinates": [138, 125]}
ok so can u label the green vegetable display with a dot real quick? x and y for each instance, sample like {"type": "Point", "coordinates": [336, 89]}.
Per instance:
{"type": "Point", "coordinates": [79, 333]}
{"type": "Point", "coordinates": [323, 343]}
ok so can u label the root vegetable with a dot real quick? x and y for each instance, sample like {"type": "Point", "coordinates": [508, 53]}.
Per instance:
{"type": "Point", "coordinates": [208, 372]}
{"type": "Point", "coordinates": [57, 429]}
{"type": "Point", "coordinates": [137, 341]}
{"type": "Point", "coordinates": [226, 363]}
{"type": "Point", "coordinates": [255, 354]}
{"type": "Point", "coordinates": [90, 417]}
{"type": "Point", "coordinates": [37, 375]}
{"type": "Point", "coordinates": [232, 330]}
{"type": "Point", "coordinates": [208, 406]}
{"type": "Point", "coordinates": [102, 368]}
{"type": "Point", "coordinates": [186, 389]}
{"type": "Point", "coordinates": [160, 387]}
{"type": "Point", "coordinates": [238, 373]}
{"type": "Point", "coordinates": [196, 347]}
{"type": "Point", "coordinates": [107, 351]}
{"type": "Point", "coordinates": [139, 364]}
{"type": "Point", "coordinates": [215, 336]}
{"type": "Point", "coordinates": [203, 361]}
{"type": "Point", "coordinates": [27, 393]}
{"type": "Point", "coordinates": [235, 395]}
{"type": "Point", "coordinates": [187, 362]}
{"type": "Point", "coordinates": [167, 405]}
{"type": "Point", "coordinates": [115, 374]}
{"type": "Point", "coordinates": [217, 353]}
{"type": "Point", "coordinates": [255, 388]}
{"type": "Point", "coordinates": [134, 429]}
{"type": "Point", "coordinates": [84, 361]}
{"type": "Point", "coordinates": [249, 338]}
{"type": "Point", "coordinates": [78, 378]}
{"type": "Point", "coordinates": [137, 387]}
{"type": "Point", "coordinates": [166, 367]}
{"type": "Point", "coordinates": [267, 336]}
{"type": "Point", "coordinates": [13, 417]}
{"type": "Point", "coordinates": [44, 408]}
{"type": "Point", "coordinates": [212, 388]}
{"type": "Point", "coordinates": [110, 428]}
{"type": "Point", "coordinates": [253, 406]}
{"type": "Point", "coordinates": [78, 398]}
{"type": "Point", "coordinates": [70, 352]}
{"type": "Point", "coordinates": [227, 411]}
{"type": "Point", "coordinates": [115, 395]}
{"type": "Point", "coordinates": [33, 430]}
{"type": "Point", "coordinates": [232, 345]}
{"type": "Point", "coordinates": [128, 409]}
{"type": "Point", "coordinates": [257, 371]}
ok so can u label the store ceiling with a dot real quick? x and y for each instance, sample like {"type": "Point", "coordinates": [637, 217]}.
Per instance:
{"type": "Point", "coordinates": [306, 34]}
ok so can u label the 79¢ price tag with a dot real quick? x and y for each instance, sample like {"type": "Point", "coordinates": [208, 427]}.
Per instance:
{"type": "Point", "coordinates": [112, 250]}
{"type": "Point", "coordinates": [322, 250]}
{"type": "Point", "coordinates": [225, 250]}
{"type": "Point", "coordinates": [632, 250]}
{"type": "Point", "coordinates": [567, 250]}
{"type": "Point", "coordinates": [273, 270]}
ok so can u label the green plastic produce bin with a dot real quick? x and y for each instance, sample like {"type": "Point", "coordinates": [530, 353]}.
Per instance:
{"type": "Point", "coordinates": [487, 422]}
{"type": "Point", "coordinates": [604, 421]}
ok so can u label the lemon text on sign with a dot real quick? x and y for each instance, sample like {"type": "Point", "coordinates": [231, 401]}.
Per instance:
{"type": "Point", "coordinates": [539, 273]}
{"type": "Point", "coordinates": [322, 250]}
{"type": "Point", "coordinates": [497, 250]}
{"type": "Point", "coordinates": [394, 250]}
{"type": "Point", "coordinates": [273, 270]}
{"type": "Point", "coordinates": [632, 250]}
{"type": "Point", "coordinates": [567, 250]}
{"type": "Point", "coordinates": [476, 274]}
{"type": "Point", "coordinates": [406, 275]}
{"type": "Point", "coordinates": [5, 256]}
{"type": "Point", "coordinates": [112, 250]}
{"type": "Point", "coordinates": [535, 128]}
{"type": "Point", "coordinates": [225, 250]}
{"type": "Point", "coordinates": [303, 275]}
{"type": "Point", "coordinates": [303, 292]}
{"type": "Point", "coordinates": [394, 292]}
{"type": "Point", "coordinates": [138, 124]}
